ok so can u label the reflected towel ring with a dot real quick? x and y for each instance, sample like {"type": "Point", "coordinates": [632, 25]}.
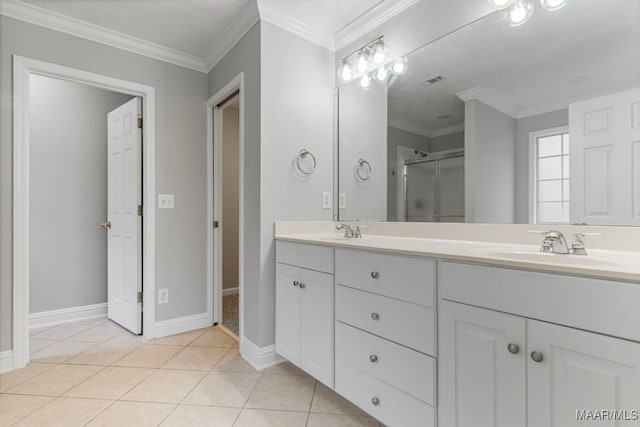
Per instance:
{"type": "Point", "coordinates": [303, 154]}
{"type": "Point", "coordinates": [363, 166]}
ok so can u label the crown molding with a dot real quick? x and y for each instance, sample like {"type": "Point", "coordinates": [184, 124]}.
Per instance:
{"type": "Point", "coordinates": [369, 21]}
{"type": "Point", "coordinates": [218, 49]}
{"type": "Point", "coordinates": [75, 27]}
{"type": "Point", "coordinates": [481, 94]}
{"type": "Point", "coordinates": [399, 124]}
{"type": "Point", "coordinates": [296, 27]}
{"type": "Point", "coordinates": [447, 130]}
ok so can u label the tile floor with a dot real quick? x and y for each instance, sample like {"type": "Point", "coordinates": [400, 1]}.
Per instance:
{"type": "Point", "coordinates": [95, 373]}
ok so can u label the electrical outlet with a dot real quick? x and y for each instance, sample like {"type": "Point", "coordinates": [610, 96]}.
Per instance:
{"type": "Point", "coordinates": [165, 201]}
{"type": "Point", "coordinates": [342, 201]}
{"type": "Point", "coordinates": [163, 296]}
{"type": "Point", "coordinates": [326, 200]}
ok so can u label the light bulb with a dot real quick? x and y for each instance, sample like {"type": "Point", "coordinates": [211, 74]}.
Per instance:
{"type": "Point", "coordinates": [520, 12]}
{"type": "Point", "coordinates": [501, 4]}
{"type": "Point", "coordinates": [346, 71]}
{"type": "Point", "coordinates": [381, 74]}
{"type": "Point", "coordinates": [399, 66]}
{"type": "Point", "coordinates": [552, 5]}
{"type": "Point", "coordinates": [363, 63]}
{"type": "Point", "coordinates": [379, 52]}
{"type": "Point", "coordinates": [365, 82]}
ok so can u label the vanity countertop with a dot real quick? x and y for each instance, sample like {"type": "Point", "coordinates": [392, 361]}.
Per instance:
{"type": "Point", "coordinates": [607, 264]}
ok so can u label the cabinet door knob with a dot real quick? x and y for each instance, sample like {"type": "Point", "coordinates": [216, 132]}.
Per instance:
{"type": "Point", "coordinates": [513, 348]}
{"type": "Point", "coordinates": [375, 316]}
{"type": "Point", "coordinates": [375, 274]}
{"type": "Point", "coordinates": [302, 285]}
{"type": "Point", "coordinates": [373, 358]}
{"type": "Point", "coordinates": [296, 283]}
{"type": "Point", "coordinates": [537, 356]}
{"type": "Point", "coordinates": [375, 401]}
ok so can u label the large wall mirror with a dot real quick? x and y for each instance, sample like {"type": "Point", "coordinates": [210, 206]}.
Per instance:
{"type": "Point", "coordinates": [536, 123]}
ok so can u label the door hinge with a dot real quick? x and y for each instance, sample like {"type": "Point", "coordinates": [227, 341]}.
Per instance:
{"type": "Point", "coordinates": [216, 224]}
{"type": "Point", "coordinates": [139, 210]}
{"type": "Point", "coordinates": [140, 296]}
{"type": "Point", "coordinates": [139, 122]}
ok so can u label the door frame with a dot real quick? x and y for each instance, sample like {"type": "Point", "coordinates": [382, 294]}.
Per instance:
{"type": "Point", "coordinates": [23, 67]}
{"type": "Point", "coordinates": [214, 202]}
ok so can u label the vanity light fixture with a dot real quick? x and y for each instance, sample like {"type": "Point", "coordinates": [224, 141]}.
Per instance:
{"type": "Point", "coordinates": [362, 65]}
{"type": "Point", "coordinates": [399, 66]}
{"type": "Point", "coordinates": [520, 12]}
{"type": "Point", "coordinates": [365, 82]}
{"type": "Point", "coordinates": [552, 5]}
{"type": "Point", "coordinates": [346, 71]}
{"type": "Point", "coordinates": [379, 52]}
{"type": "Point", "coordinates": [381, 74]}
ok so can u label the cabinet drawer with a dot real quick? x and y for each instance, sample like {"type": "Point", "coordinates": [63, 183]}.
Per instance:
{"type": "Point", "coordinates": [312, 257]}
{"type": "Point", "coordinates": [406, 278]}
{"type": "Point", "coordinates": [395, 408]}
{"type": "Point", "coordinates": [408, 324]}
{"type": "Point", "coordinates": [401, 367]}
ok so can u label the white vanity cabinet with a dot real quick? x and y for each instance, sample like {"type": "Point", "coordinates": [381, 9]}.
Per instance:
{"type": "Point", "coordinates": [304, 308]}
{"type": "Point", "coordinates": [386, 335]}
{"type": "Point", "coordinates": [509, 369]}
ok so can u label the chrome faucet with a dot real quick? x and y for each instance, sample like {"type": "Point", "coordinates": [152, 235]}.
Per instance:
{"type": "Point", "coordinates": [554, 242]}
{"type": "Point", "coordinates": [578, 247]}
{"type": "Point", "coordinates": [349, 232]}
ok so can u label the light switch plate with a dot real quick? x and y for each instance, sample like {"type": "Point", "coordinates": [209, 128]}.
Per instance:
{"type": "Point", "coordinates": [342, 201]}
{"type": "Point", "coordinates": [165, 201]}
{"type": "Point", "coordinates": [326, 200]}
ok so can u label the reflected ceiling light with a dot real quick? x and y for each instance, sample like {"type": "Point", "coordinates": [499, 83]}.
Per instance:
{"type": "Point", "coordinates": [346, 71]}
{"type": "Point", "coordinates": [501, 4]}
{"type": "Point", "coordinates": [381, 74]}
{"type": "Point", "coordinates": [379, 52]}
{"type": "Point", "coordinates": [552, 5]}
{"type": "Point", "coordinates": [520, 12]}
{"type": "Point", "coordinates": [365, 82]}
{"type": "Point", "coordinates": [363, 62]}
{"type": "Point", "coordinates": [399, 66]}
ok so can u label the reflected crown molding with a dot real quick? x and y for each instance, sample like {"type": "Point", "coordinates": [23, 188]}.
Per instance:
{"type": "Point", "coordinates": [481, 94]}
{"type": "Point", "coordinates": [447, 130]}
{"type": "Point", "coordinates": [407, 127]}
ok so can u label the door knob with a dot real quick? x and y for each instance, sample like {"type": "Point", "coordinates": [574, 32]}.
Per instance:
{"type": "Point", "coordinates": [302, 285]}
{"type": "Point", "coordinates": [106, 224]}
{"type": "Point", "coordinates": [375, 401]}
{"type": "Point", "coordinates": [537, 356]}
{"type": "Point", "coordinates": [375, 316]}
{"type": "Point", "coordinates": [375, 274]}
{"type": "Point", "coordinates": [373, 358]}
{"type": "Point", "coordinates": [513, 348]}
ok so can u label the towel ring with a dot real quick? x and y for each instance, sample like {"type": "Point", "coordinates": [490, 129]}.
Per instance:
{"type": "Point", "coordinates": [363, 166]}
{"type": "Point", "coordinates": [302, 154]}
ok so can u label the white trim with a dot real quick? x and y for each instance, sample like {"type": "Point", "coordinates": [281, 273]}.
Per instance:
{"type": "Point", "coordinates": [228, 332]}
{"type": "Point", "coordinates": [214, 255]}
{"type": "Point", "coordinates": [231, 291]}
{"type": "Point", "coordinates": [64, 315]}
{"type": "Point", "coordinates": [540, 109]}
{"type": "Point", "coordinates": [481, 94]}
{"type": "Point", "coordinates": [399, 124]}
{"type": "Point", "coordinates": [403, 155]}
{"type": "Point", "coordinates": [295, 26]}
{"type": "Point", "coordinates": [369, 21]}
{"type": "Point", "coordinates": [259, 357]}
{"type": "Point", "coordinates": [76, 27]}
{"type": "Point", "coordinates": [219, 48]}
{"type": "Point", "coordinates": [447, 130]}
{"type": "Point", "coordinates": [22, 68]}
{"type": "Point", "coordinates": [6, 361]}
{"type": "Point", "coordinates": [182, 324]}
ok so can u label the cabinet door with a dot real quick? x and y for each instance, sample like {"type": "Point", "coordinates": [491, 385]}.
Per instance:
{"type": "Point", "coordinates": [580, 371]}
{"type": "Point", "coordinates": [481, 380]}
{"type": "Point", "coordinates": [288, 312]}
{"type": "Point", "coordinates": [316, 296]}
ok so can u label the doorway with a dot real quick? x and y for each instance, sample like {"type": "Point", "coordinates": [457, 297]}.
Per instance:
{"type": "Point", "coordinates": [24, 69]}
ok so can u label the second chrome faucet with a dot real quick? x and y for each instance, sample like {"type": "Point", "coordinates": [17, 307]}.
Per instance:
{"type": "Point", "coordinates": [349, 232]}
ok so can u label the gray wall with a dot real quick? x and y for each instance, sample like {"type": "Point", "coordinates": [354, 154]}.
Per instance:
{"type": "Point", "coordinates": [446, 142]}
{"type": "Point", "coordinates": [180, 158]}
{"type": "Point", "coordinates": [398, 137]}
{"type": "Point", "coordinates": [489, 164]}
{"type": "Point", "coordinates": [245, 57]}
{"type": "Point", "coordinates": [68, 192]}
{"type": "Point", "coordinates": [523, 127]}
{"type": "Point", "coordinates": [230, 195]}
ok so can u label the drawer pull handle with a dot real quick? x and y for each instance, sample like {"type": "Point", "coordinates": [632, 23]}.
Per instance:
{"type": "Point", "coordinates": [537, 356]}
{"type": "Point", "coordinates": [375, 316]}
{"type": "Point", "coordinates": [373, 358]}
{"type": "Point", "coordinates": [513, 348]}
{"type": "Point", "coordinates": [302, 285]}
{"type": "Point", "coordinates": [375, 274]}
{"type": "Point", "coordinates": [375, 401]}
{"type": "Point", "coordinates": [296, 283]}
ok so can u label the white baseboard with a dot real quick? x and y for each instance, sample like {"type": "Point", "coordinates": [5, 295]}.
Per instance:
{"type": "Point", "coordinates": [182, 324]}
{"type": "Point", "coordinates": [259, 357]}
{"type": "Point", "coordinates": [230, 291]}
{"type": "Point", "coordinates": [55, 317]}
{"type": "Point", "coordinates": [6, 361]}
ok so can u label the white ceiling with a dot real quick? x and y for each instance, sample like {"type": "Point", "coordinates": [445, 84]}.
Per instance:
{"type": "Point", "coordinates": [584, 50]}
{"type": "Point", "coordinates": [197, 33]}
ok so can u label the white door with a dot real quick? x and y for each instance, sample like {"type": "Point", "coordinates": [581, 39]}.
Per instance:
{"type": "Point", "coordinates": [481, 372]}
{"type": "Point", "coordinates": [316, 318]}
{"type": "Point", "coordinates": [580, 371]}
{"type": "Point", "coordinates": [605, 159]}
{"type": "Point", "coordinates": [288, 312]}
{"type": "Point", "coordinates": [125, 231]}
